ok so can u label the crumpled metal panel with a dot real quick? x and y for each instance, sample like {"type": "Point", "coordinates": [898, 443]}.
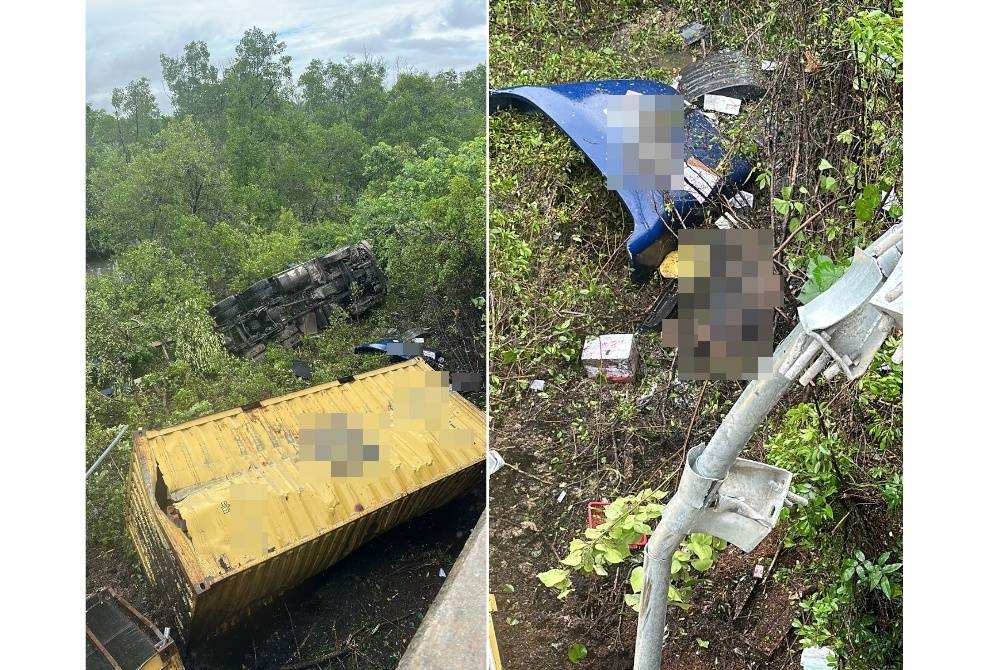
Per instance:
{"type": "Point", "coordinates": [728, 73]}
{"type": "Point", "coordinates": [200, 466]}
{"type": "Point", "coordinates": [579, 110]}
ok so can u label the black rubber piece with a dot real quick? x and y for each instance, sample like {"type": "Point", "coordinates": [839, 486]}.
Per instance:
{"type": "Point", "coordinates": [729, 73]}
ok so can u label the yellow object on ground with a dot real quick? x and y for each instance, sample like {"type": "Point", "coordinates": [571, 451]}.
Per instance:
{"type": "Point", "coordinates": [495, 663]}
{"type": "Point", "coordinates": [230, 510]}
{"type": "Point", "coordinates": [668, 268]}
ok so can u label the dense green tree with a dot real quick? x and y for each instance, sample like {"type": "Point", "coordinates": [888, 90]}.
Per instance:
{"type": "Point", "coordinates": [350, 92]}
{"type": "Point", "coordinates": [260, 77]}
{"type": "Point", "coordinates": [136, 110]}
{"type": "Point", "coordinates": [177, 174]}
{"type": "Point", "coordinates": [195, 87]}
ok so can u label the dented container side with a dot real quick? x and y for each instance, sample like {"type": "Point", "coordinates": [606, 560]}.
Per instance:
{"type": "Point", "coordinates": [312, 525]}
{"type": "Point", "coordinates": [237, 595]}
{"type": "Point", "coordinates": [160, 559]}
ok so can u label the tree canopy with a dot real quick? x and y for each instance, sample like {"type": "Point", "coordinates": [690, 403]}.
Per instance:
{"type": "Point", "coordinates": [251, 170]}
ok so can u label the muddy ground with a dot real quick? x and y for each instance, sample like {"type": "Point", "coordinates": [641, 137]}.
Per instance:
{"type": "Point", "coordinates": [362, 612]}
{"type": "Point", "coordinates": [746, 621]}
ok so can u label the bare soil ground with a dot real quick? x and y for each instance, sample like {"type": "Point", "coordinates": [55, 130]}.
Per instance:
{"type": "Point", "coordinates": [746, 621]}
{"type": "Point", "coordinates": [361, 613]}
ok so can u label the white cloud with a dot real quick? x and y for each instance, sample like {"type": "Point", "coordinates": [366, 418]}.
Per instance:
{"type": "Point", "coordinates": [125, 37]}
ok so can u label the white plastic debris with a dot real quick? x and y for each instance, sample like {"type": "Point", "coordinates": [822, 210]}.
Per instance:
{"type": "Point", "coordinates": [537, 385]}
{"type": "Point", "coordinates": [441, 572]}
{"type": "Point", "coordinates": [769, 65]}
{"type": "Point", "coordinates": [758, 571]}
{"type": "Point", "coordinates": [721, 103]}
{"type": "Point", "coordinates": [562, 495]}
{"type": "Point", "coordinates": [615, 355]}
{"type": "Point", "coordinates": [725, 222]}
{"type": "Point", "coordinates": [741, 200]}
{"type": "Point", "coordinates": [699, 179]}
{"type": "Point", "coordinates": [494, 461]}
{"type": "Point", "coordinates": [891, 200]}
{"type": "Point", "coordinates": [815, 658]}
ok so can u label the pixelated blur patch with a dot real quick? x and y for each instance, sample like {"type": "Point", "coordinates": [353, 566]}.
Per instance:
{"type": "Point", "coordinates": [245, 510]}
{"type": "Point", "coordinates": [358, 444]}
{"type": "Point", "coordinates": [342, 445]}
{"type": "Point", "coordinates": [645, 142]}
{"type": "Point", "coordinates": [466, 382]}
{"type": "Point", "coordinates": [404, 349]}
{"type": "Point", "coordinates": [726, 294]}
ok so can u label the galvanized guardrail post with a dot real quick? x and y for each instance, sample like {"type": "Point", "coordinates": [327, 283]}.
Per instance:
{"type": "Point", "coordinates": [107, 451]}
{"type": "Point", "coordinates": [840, 332]}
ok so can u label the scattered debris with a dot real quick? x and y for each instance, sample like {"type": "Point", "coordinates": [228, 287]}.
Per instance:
{"type": "Point", "coordinates": [725, 221]}
{"type": "Point", "coordinates": [494, 461]}
{"type": "Point", "coordinates": [817, 658]}
{"type": "Point", "coordinates": [409, 344]}
{"type": "Point", "coordinates": [302, 369]}
{"type": "Point", "coordinates": [118, 636]}
{"type": "Point", "coordinates": [729, 73]}
{"type": "Point", "coordinates": [889, 200]}
{"type": "Point", "coordinates": [693, 32]}
{"type": "Point", "coordinates": [769, 65]}
{"type": "Point", "coordinates": [722, 103]}
{"type": "Point", "coordinates": [662, 308]}
{"type": "Point", "coordinates": [812, 62]}
{"type": "Point", "coordinates": [614, 355]}
{"type": "Point", "coordinates": [758, 571]}
{"type": "Point", "coordinates": [442, 573]}
{"type": "Point", "coordinates": [562, 496]}
{"type": "Point", "coordinates": [699, 179]}
{"type": "Point", "coordinates": [742, 200]}
{"type": "Point", "coordinates": [668, 268]}
{"type": "Point", "coordinates": [537, 385]}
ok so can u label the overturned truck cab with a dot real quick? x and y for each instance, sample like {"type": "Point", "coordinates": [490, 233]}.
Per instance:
{"type": "Point", "coordinates": [299, 300]}
{"type": "Point", "coordinates": [230, 510]}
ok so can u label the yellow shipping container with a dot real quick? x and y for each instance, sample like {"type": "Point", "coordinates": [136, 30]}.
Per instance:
{"type": "Point", "coordinates": [232, 509]}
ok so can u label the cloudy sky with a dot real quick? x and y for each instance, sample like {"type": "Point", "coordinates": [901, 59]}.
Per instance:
{"type": "Point", "coordinates": [126, 37]}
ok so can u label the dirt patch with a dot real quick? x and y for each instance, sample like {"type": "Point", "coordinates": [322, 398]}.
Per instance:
{"type": "Point", "coordinates": [745, 620]}
{"type": "Point", "coordinates": [369, 605]}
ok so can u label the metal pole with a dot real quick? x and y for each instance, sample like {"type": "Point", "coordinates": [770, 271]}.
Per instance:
{"type": "Point", "coordinates": [106, 451]}
{"type": "Point", "coordinates": [683, 510]}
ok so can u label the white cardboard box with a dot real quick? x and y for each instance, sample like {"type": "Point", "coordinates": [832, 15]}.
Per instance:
{"type": "Point", "coordinates": [721, 103]}
{"type": "Point", "coordinates": [614, 355]}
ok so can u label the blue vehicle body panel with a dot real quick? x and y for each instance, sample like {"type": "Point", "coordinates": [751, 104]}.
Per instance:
{"type": "Point", "coordinates": [579, 110]}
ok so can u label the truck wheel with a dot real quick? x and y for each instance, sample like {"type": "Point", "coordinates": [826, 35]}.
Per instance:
{"type": "Point", "coordinates": [222, 307]}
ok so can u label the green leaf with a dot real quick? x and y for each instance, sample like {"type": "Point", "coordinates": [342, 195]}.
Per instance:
{"type": "Point", "coordinates": [553, 577]}
{"type": "Point", "coordinates": [635, 579]}
{"type": "Point", "coordinates": [864, 207]}
{"type": "Point", "coordinates": [577, 652]}
{"type": "Point", "coordinates": [613, 555]}
{"type": "Point", "coordinates": [781, 206]}
{"type": "Point", "coordinates": [825, 165]}
{"type": "Point", "coordinates": [704, 551]}
{"type": "Point", "coordinates": [701, 643]}
{"type": "Point", "coordinates": [827, 184]}
{"type": "Point", "coordinates": [701, 564]}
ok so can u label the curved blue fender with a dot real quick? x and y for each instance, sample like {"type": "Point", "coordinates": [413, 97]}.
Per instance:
{"type": "Point", "coordinates": [579, 110]}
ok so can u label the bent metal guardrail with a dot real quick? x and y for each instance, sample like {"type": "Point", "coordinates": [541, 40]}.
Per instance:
{"type": "Point", "coordinates": [740, 500]}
